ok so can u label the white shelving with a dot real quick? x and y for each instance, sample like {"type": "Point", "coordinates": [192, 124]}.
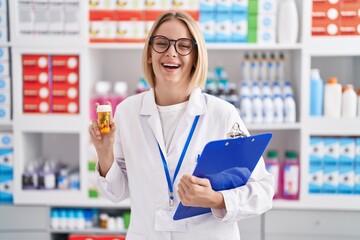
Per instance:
{"type": "Point", "coordinates": [116, 62]}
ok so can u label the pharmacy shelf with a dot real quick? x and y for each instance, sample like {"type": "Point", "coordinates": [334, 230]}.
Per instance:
{"type": "Point", "coordinates": [252, 46]}
{"type": "Point", "coordinates": [321, 202]}
{"type": "Point", "coordinates": [65, 198]}
{"type": "Point", "coordinates": [88, 231]}
{"type": "Point", "coordinates": [273, 126]}
{"type": "Point", "coordinates": [333, 46]}
{"type": "Point", "coordinates": [333, 126]}
{"type": "Point", "coordinates": [47, 123]}
{"type": "Point", "coordinates": [97, 203]}
{"type": "Point", "coordinates": [210, 46]}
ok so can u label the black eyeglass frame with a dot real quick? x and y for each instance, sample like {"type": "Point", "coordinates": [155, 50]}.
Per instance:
{"type": "Point", "coordinates": [193, 44]}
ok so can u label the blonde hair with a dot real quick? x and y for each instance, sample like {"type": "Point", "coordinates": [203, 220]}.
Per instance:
{"type": "Point", "coordinates": [199, 71]}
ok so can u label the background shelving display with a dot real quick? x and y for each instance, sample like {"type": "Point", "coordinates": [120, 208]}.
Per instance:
{"type": "Point", "coordinates": [65, 136]}
{"type": "Point", "coordinates": [107, 61]}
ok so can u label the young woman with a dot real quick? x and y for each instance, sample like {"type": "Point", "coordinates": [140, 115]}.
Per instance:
{"type": "Point", "coordinates": [145, 156]}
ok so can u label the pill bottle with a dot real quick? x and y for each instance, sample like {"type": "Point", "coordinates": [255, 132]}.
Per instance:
{"type": "Point", "coordinates": [104, 116]}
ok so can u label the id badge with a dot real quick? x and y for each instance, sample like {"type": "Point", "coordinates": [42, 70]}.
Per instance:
{"type": "Point", "coordinates": [164, 220]}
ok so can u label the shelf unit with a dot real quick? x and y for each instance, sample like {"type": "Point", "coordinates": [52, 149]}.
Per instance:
{"type": "Point", "coordinates": [111, 62]}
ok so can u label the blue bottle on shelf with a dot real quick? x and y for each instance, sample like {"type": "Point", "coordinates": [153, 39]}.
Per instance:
{"type": "Point", "coordinates": [316, 93]}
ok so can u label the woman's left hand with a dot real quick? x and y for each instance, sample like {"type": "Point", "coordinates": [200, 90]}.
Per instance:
{"type": "Point", "coordinates": [197, 192]}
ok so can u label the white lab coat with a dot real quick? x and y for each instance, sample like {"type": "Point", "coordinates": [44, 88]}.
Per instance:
{"type": "Point", "coordinates": [138, 172]}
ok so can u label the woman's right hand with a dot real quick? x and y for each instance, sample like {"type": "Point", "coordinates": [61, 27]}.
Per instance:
{"type": "Point", "coordinates": [103, 143]}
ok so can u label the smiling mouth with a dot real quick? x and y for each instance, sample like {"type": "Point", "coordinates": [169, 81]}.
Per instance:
{"type": "Point", "coordinates": [171, 66]}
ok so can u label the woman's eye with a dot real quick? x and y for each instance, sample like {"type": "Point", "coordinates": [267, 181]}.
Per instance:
{"type": "Point", "coordinates": [161, 44]}
{"type": "Point", "coordinates": [184, 46]}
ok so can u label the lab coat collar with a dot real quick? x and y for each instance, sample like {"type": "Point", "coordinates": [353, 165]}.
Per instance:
{"type": "Point", "coordinates": [196, 106]}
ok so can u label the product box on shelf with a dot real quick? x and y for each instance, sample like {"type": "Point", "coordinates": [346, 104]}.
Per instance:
{"type": "Point", "coordinates": [185, 5]}
{"type": "Point", "coordinates": [50, 83]}
{"type": "Point", "coordinates": [6, 160]}
{"type": "Point", "coordinates": [208, 25]}
{"type": "Point", "coordinates": [331, 163]}
{"type": "Point", "coordinates": [325, 18]}
{"type": "Point", "coordinates": [65, 84]}
{"type": "Point", "coordinates": [239, 27]}
{"type": "Point", "coordinates": [240, 6]}
{"type": "Point", "coordinates": [357, 167]}
{"type": "Point", "coordinates": [223, 27]}
{"type": "Point", "coordinates": [224, 5]}
{"type": "Point", "coordinates": [346, 165]}
{"type": "Point", "coordinates": [207, 6]}
{"type": "Point", "coordinates": [316, 157]}
{"type": "Point", "coordinates": [36, 86]}
{"type": "Point", "coordinates": [350, 19]}
{"type": "Point", "coordinates": [6, 188]}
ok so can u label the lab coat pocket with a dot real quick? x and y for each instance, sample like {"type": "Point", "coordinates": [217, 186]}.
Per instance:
{"type": "Point", "coordinates": [134, 236]}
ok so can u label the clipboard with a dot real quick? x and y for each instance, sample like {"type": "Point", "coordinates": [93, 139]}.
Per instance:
{"type": "Point", "coordinates": [228, 164]}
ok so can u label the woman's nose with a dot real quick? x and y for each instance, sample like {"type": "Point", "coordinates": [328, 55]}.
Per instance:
{"type": "Point", "coordinates": [171, 50]}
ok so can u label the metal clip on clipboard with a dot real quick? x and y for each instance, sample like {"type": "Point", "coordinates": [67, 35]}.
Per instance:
{"type": "Point", "coordinates": [236, 131]}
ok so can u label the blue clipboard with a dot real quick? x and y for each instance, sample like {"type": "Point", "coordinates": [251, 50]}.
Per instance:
{"type": "Point", "coordinates": [227, 164]}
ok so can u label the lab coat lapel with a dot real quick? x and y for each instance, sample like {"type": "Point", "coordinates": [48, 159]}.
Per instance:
{"type": "Point", "coordinates": [149, 108]}
{"type": "Point", "coordinates": [196, 106]}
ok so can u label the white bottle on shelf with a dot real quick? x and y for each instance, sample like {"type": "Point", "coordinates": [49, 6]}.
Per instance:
{"type": "Point", "coordinates": [257, 109]}
{"type": "Point", "coordinates": [288, 22]}
{"type": "Point", "coordinates": [348, 108]}
{"type": "Point", "coordinates": [316, 93]}
{"type": "Point", "coordinates": [332, 98]}
{"type": "Point", "coordinates": [278, 109]}
{"type": "Point", "coordinates": [246, 108]}
{"type": "Point", "coordinates": [266, 89]}
{"type": "Point", "coordinates": [268, 109]}
{"type": "Point", "coordinates": [289, 109]}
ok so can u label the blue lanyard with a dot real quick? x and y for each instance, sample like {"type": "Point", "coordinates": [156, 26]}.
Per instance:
{"type": "Point", "coordinates": [166, 169]}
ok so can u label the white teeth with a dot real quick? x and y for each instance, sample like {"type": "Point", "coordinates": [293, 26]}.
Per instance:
{"type": "Point", "coordinates": [170, 65]}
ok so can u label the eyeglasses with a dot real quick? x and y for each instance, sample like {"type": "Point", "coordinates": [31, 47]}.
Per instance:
{"type": "Point", "coordinates": [183, 46]}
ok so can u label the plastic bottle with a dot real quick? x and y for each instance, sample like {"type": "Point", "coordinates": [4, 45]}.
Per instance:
{"type": "Point", "coordinates": [268, 109]}
{"type": "Point", "coordinates": [63, 179]}
{"type": "Point", "coordinates": [348, 108]}
{"type": "Point", "coordinates": [272, 68]}
{"type": "Point", "coordinates": [272, 164]}
{"type": "Point", "coordinates": [246, 108]}
{"type": "Point", "coordinates": [276, 89]}
{"type": "Point", "coordinates": [46, 176]}
{"type": "Point", "coordinates": [316, 93]}
{"type": "Point", "coordinates": [101, 94]}
{"type": "Point", "coordinates": [289, 109]}
{"type": "Point", "coordinates": [291, 176]}
{"type": "Point", "coordinates": [255, 89]}
{"type": "Point", "coordinates": [29, 177]}
{"type": "Point", "coordinates": [254, 71]}
{"type": "Point", "coordinates": [257, 109]}
{"type": "Point", "coordinates": [120, 93]}
{"type": "Point", "coordinates": [266, 89]}
{"type": "Point", "coordinates": [245, 67]}
{"type": "Point", "coordinates": [287, 89]}
{"type": "Point", "coordinates": [245, 89]}
{"type": "Point", "coordinates": [278, 109]}
{"type": "Point", "coordinates": [80, 223]}
{"type": "Point", "coordinates": [104, 115]}
{"type": "Point", "coordinates": [263, 67]}
{"type": "Point", "coordinates": [332, 98]}
{"type": "Point", "coordinates": [55, 219]}
{"type": "Point", "coordinates": [280, 68]}
{"type": "Point", "coordinates": [142, 85]}
{"type": "Point", "coordinates": [288, 22]}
